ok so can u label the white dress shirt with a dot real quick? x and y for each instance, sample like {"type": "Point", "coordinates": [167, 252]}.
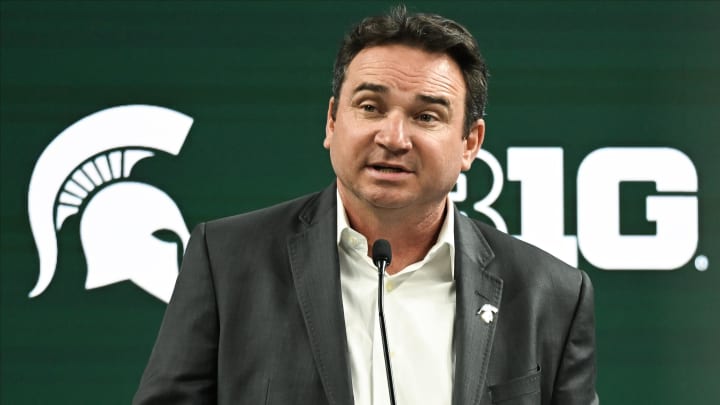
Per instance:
{"type": "Point", "coordinates": [419, 314]}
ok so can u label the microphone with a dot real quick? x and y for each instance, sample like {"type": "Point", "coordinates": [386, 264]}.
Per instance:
{"type": "Point", "coordinates": [382, 256]}
{"type": "Point", "coordinates": [381, 253]}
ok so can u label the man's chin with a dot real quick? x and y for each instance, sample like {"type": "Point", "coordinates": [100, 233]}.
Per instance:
{"type": "Point", "coordinates": [390, 200]}
{"type": "Point", "coordinates": [383, 198]}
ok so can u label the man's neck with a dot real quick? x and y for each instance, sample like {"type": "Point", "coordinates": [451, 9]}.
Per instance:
{"type": "Point", "coordinates": [411, 233]}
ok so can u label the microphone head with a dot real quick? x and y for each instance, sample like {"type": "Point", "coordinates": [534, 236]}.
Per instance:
{"type": "Point", "coordinates": [381, 252]}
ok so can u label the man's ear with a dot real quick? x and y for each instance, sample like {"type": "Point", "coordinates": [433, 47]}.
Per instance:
{"type": "Point", "coordinates": [329, 124]}
{"type": "Point", "coordinates": [472, 143]}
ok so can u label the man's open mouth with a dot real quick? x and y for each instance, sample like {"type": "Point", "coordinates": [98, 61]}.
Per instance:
{"type": "Point", "coordinates": [386, 169]}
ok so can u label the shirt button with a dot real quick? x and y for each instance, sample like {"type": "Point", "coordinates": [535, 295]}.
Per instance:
{"type": "Point", "coordinates": [389, 286]}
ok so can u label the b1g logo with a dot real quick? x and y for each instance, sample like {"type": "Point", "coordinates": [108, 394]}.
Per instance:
{"type": "Point", "coordinates": [540, 173]}
{"type": "Point", "coordinates": [86, 170]}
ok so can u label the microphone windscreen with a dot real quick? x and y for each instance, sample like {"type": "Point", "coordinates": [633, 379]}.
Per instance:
{"type": "Point", "coordinates": [381, 252]}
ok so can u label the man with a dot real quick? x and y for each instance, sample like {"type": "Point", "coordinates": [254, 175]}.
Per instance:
{"type": "Point", "coordinates": [278, 306]}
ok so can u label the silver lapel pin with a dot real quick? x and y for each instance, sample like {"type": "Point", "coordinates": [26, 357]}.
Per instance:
{"type": "Point", "coordinates": [486, 313]}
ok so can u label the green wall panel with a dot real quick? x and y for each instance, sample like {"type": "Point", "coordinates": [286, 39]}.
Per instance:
{"type": "Point", "coordinates": [255, 78]}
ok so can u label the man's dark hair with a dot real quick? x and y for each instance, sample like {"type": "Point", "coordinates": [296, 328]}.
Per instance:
{"type": "Point", "coordinates": [429, 32]}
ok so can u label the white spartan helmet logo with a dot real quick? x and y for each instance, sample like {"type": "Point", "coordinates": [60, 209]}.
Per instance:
{"type": "Point", "coordinates": [92, 159]}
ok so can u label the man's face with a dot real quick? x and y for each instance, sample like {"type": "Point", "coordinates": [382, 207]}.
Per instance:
{"type": "Point", "coordinates": [397, 138]}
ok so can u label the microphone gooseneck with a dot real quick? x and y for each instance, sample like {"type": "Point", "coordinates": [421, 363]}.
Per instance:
{"type": "Point", "coordinates": [382, 256]}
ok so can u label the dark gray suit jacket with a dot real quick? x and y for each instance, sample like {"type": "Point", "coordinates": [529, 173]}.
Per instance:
{"type": "Point", "coordinates": [257, 318]}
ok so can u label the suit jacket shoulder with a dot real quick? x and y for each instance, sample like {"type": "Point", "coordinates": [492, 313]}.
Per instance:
{"type": "Point", "coordinates": [238, 240]}
{"type": "Point", "coordinates": [287, 216]}
{"type": "Point", "coordinates": [518, 262]}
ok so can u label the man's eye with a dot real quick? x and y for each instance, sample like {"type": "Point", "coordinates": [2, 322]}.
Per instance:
{"type": "Point", "coordinates": [425, 117]}
{"type": "Point", "coordinates": [369, 108]}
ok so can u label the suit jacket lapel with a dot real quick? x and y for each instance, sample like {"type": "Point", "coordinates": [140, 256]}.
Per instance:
{"type": "Point", "coordinates": [316, 274]}
{"type": "Point", "coordinates": [475, 287]}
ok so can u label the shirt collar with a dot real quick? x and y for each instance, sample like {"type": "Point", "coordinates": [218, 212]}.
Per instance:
{"type": "Point", "coordinates": [445, 237]}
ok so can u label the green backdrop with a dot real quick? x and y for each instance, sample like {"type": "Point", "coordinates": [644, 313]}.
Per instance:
{"type": "Point", "coordinates": [255, 78]}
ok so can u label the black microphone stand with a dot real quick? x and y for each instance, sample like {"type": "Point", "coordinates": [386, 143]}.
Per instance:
{"type": "Point", "coordinates": [381, 257]}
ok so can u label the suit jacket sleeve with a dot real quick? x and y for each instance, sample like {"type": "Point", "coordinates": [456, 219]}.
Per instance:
{"type": "Point", "coordinates": [183, 365]}
{"type": "Point", "coordinates": [575, 384]}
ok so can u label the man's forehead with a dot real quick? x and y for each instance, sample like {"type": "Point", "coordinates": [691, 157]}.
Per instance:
{"type": "Point", "coordinates": [405, 68]}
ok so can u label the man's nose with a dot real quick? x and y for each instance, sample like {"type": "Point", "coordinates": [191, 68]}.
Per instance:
{"type": "Point", "coordinates": [393, 135]}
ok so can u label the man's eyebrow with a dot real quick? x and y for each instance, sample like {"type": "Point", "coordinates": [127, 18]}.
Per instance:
{"type": "Point", "coordinates": [433, 100]}
{"type": "Point", "coordinates": [379, 88]}
{"type": "Point", "coordinates": [376, 88]}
